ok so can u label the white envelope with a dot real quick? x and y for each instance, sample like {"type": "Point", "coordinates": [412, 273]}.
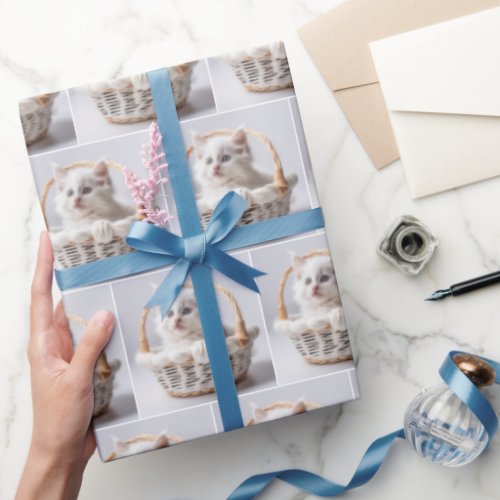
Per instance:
{"type": "Point", "coordinates": [441, 85]}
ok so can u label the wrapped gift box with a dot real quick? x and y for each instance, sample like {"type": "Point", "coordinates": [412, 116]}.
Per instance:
{"type": "Point", "coordinates": [175, 241]}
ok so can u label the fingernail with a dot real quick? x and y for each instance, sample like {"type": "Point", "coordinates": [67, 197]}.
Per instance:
{"type": "Point", "coordinates": [104, 319]}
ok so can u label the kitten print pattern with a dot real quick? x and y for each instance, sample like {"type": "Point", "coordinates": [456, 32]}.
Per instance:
{"type": "Point", "coordinates": [141, 444]}
{"type": "Point", "coordinates": [225, 163]}
{"type": "Point", "coordinates": [181, 335]}
{"type": "Point", "coordinates": [86, 201]}
{"type": "Point", "coordinates": [316, 293]}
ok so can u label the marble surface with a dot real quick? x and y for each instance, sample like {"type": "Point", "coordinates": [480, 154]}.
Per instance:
{"type": "Point", "coordinates": [399, 339]}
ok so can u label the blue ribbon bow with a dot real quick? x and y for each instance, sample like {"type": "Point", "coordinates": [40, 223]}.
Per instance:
{"type": "Point", "coordinates": [200, 249]}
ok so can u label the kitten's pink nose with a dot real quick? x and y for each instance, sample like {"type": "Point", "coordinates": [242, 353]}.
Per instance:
{"type": "Point", "coordinates": [178, 322]}
{"type": "Point", "coordinates": [216, 169]}
{"type": "Point", "coordinates": [315, 290]}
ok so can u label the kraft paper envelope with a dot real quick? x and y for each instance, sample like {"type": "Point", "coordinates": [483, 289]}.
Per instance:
{"type": "Point", "coordinates": [442, 88]}
{"type": "Point", "coordinates": [338, 43]}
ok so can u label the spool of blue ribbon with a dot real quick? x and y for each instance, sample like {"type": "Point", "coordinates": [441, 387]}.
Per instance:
{"type": "Point", "coordinates": [376, 453]}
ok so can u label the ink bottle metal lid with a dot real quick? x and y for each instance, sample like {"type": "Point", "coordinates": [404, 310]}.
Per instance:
{"type": "Point", "coordinates": [408, 244]}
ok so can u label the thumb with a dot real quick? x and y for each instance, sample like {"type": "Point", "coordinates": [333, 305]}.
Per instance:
{"type": "Point", "coordinates": [93, 341]}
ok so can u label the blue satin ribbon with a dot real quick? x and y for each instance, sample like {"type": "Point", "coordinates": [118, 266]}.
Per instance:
{"type": "Point", "coordinates": [378, 450]}
{"type": "Point", "coordinates": [198, 249]}
{"type": "Point", "coordinates": [317, 485]}
{"type": "Point", "coordinates": [201, 275]}
{"type": "Point", "coordinates": [240, 237]}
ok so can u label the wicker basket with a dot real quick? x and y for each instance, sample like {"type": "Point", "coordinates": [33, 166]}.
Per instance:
{"type": "Point", "coordinates": [71, 253]}
{"type": "Point", "coordinates": [36, 120]}
{"type": "Point", "coordinates": [279, 206]}
{"type": "Point", "coordinates": [322, 346]}
{"type": "Point", "coordinates": [284, 404]}
{"type": "Point", "coordinates": [104, 376]}
{"type": "Point", "coordinates": [195, 379]}
{"type": "Point", "coordinates": [132, 103]}
{"type": "Point", "coordinates": [172, 438]}
{"type": "Point", "coordinates": [263, 73]}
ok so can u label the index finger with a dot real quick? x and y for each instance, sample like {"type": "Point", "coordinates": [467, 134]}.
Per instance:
{"type": "Point", "coordinates": [41, 287]}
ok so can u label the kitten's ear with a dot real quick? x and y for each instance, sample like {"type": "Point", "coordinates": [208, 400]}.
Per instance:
{"type": "Point", "coordinates": [298, 262]}
{"type": "Point", "coordinates": [199, 142]}
{"type": "Point", "coordinates": [239, 137]}
{"type": "Point", "coordinates": [259, 414]}
{"type": "Point", "coordinates": [299, 407]}
{"type": "Point", "coordinates": [101, 168]}
{"type": "Point", "coordinates": [161, 441]}
{"type": "Point", "coordinates": [59, 174]}
{"type": "Point", "coordinates": [120, 446]}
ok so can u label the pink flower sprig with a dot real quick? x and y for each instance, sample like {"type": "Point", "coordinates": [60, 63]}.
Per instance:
{"type": "Point", "coordinates": [143, 191]}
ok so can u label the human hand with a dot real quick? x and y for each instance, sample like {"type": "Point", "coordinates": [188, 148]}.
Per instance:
{"type": "Point", "coordinates": [62, 390]}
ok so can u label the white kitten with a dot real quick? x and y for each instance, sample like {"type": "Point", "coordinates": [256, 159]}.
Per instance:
{"type": "Point", "coordinates": [139, 444]}
{"type": "Point", "coordinates": [180, 332]}
{"type": "Point", "coordinates": [182, 335]}
{"type": "Point", "coordinates": [85, 199]}
{"type": "Point", "coordinates": [225, 163]}
{"type": "Point", "coordinates": [315, 287]}
{"type": "Point", "coordinates": [262, 415]}
{"type": "Point", "coordinates": [316, 293]}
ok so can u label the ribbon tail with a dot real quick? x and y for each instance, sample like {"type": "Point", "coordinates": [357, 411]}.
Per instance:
{"type": "Point", "coordinates": [170, 287]}
{"type": "Point", "coordinates": [233, 268]}
{"type": "Point", "coordinates": [317, 485]}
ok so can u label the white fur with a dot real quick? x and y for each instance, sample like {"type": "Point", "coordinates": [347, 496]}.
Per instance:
{"type": "Point", "coordinates": [125, 449]}
{"type": "Point", "coordinates": [262, 415]}
{"type": "Point", "coordinates": [225, 163]}
{"type": "Point", "coordinates": [297, 325]}
{"type": "Point", "coordinates": [85, 199]}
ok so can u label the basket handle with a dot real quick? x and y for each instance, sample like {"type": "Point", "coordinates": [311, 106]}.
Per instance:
{"type": "Point", "coordinates": [280, 183]}
{"type": "Point", "coordinates": [240, 329]}
{"type": "Point", "coordinates": [79, 164]}
{"type": "Point", "coordinates": [102, 365]}
{"type": "Point", "coordinates": [282, 311]}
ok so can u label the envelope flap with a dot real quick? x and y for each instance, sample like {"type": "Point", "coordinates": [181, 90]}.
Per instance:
{"type": "Point", "coordinates": [338, 41]}
{"type": "Point", "coordinates": [452, 67]}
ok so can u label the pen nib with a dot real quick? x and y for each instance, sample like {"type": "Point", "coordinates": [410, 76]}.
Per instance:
{"type": "Point", "coordinates": [439, 294]}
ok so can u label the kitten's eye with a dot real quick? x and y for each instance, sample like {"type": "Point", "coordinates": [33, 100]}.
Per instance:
{"type": "Point", "coordinates": [308, 281]}
{"type": "Point", "coordinates": [170, 313]}
{"type": "Point", "coordinates": [70, 192]}
{"type": "Point", "coordinates": [186, 310]}
{"type": "Point", "coordinates": [86, 190]}
{"type": "Point", "coordinates": [209, 160]}
{"type": "Point", "coordinates": [324, 278]}
{"type": "Point", "coordinates": [225, 158]}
